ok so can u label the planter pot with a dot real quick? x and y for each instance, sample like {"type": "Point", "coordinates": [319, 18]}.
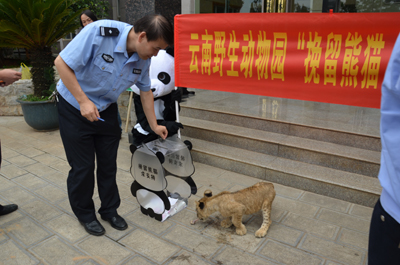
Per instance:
{"type": "Point", "coordinates": [40, 115]}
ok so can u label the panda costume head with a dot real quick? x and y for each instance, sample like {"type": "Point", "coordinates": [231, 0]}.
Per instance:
{"type": "Point", "coordinates": [162, 77]}
{"type": "Point", "coordinates": [162, 73]}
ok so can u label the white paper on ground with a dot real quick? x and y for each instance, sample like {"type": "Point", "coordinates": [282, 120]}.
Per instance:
{"type": "Point", "coordinates": [176, 206]}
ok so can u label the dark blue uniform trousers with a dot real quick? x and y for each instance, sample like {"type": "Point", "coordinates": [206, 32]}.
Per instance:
{"type": "Point", "coordinates": [1, 206]}
{"type": "Point", "coordinates": [85, 141]}
{"type": "Point", "coordinates": [384, 238]}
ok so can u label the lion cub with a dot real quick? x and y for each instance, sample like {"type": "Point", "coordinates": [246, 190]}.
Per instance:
{"type": "Point", "coordinates": [233, 205]}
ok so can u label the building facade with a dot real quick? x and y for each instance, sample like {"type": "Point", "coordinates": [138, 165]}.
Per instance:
{"type": "Point", "coordinates": [289, 6]}
{"type": "Point", "coordinates": [131, 10]}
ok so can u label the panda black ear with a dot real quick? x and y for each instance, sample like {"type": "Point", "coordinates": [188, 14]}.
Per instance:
{"type": "Point", "coordinates": [170, 51]}
{"type": "Point", "coordinates": [201, 205]}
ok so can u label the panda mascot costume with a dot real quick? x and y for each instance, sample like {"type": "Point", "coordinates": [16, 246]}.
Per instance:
{"type": "Point", "coordinates": [162, 169]}
{"type": "Point", "coordinates": [162, 76]}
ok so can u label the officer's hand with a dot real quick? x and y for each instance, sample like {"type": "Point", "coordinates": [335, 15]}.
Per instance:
{"type": "Point", "coordinates": [89, 110]}
{"type": "Point", "coordinates": [161, 131]}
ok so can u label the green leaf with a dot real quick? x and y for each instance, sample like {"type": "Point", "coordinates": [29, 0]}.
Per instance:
{"type": "Point", "coordinates": [37, 25]}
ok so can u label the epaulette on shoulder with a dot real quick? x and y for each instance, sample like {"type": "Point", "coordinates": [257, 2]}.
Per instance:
{"type": "Point", "coordinates": [109, 32]}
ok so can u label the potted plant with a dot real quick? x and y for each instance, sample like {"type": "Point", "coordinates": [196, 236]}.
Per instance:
{"type": "Point", "coordinates": [36, 25]}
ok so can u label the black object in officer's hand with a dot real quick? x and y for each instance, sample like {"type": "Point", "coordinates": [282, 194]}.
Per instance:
{"type": "Point", "coordinates": [173, 126]}
{"type": "Point", "coordinates": [176, 95]}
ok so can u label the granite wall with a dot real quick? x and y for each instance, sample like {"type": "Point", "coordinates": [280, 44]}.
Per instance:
{"type": "Point", "coordinates": [136, 9]}
{"type": "Point", "coordinates": [9, 95]}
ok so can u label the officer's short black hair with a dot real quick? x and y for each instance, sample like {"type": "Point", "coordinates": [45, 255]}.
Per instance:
{"type": "Point", "coordinates": [88, 13]}
{"type": "Point", "coordinates": [156, 27]}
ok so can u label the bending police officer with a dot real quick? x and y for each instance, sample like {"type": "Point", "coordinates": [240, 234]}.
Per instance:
{"type": "Point", "coordinates": [100, 63]}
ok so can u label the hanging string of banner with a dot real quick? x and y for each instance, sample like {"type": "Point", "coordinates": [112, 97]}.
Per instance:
{"type": "Point", "coordinates": [335, 58]}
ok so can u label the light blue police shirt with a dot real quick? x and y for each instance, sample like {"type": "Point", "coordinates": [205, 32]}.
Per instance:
{"type": "Point", "coordinates": [102, 65]}
{"type": "Point", "coordinates": [389, 173]}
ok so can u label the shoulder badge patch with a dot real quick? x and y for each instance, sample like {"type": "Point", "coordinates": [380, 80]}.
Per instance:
{"type": "Point", "coordinates": [107, 31]}
{"type": "Point", "coordinates": [137, 71]}
{"type": "Point", "coordinates": [108, 58]}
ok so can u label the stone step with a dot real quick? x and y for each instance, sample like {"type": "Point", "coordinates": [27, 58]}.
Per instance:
{"type": "Point", "coordinates": [350, 159]}
{"type": "Point", "coordinates": [330, 182]}
{"type": "Point", "coordinates": [351, 139]}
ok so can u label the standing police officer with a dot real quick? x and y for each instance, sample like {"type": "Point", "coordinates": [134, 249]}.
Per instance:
{"type": "Point", "coordinates": [100, 63]}
{"type": "Point", "coordinates": [384, 232]}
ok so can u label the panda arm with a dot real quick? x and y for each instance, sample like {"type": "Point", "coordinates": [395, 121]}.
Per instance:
{"type": "Point", "coordinates": [140, 115]}
{"type": "Point", "coordinates": [169, 103]}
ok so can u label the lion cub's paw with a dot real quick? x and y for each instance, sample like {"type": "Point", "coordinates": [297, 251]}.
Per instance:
{"type": "Point", "coordinates": [241, 231]}
{"type": "Point", "coordinates": [226, 223]}
{"type": "Point", "coordinates": [261, 233]}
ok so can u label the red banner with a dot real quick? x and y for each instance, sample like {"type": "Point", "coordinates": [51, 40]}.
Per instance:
{"type": "Point", "coordinates": [335, 58]}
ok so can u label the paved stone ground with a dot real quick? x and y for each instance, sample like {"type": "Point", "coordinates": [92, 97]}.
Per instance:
{"type": "Point", "coordinates": [307, 228]}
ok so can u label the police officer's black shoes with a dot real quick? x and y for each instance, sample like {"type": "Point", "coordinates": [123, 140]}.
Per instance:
{"type": "Point", "coordinates": [117, 222]}
{"type": "Point", "coordinates": [94, 228]}
{"type": "Point", "coordinates": [8, 209]}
